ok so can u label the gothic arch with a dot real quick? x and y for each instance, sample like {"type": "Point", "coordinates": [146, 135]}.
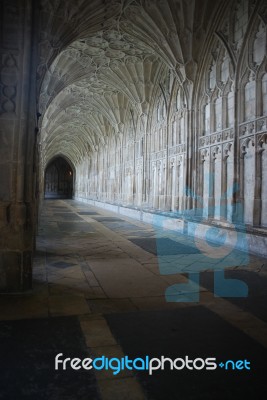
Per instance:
{"type": "Point", "coordinates": [59, 178]}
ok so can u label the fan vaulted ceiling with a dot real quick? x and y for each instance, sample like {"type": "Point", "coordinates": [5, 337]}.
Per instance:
{"type": "Point", "coordinates": [114, 65]}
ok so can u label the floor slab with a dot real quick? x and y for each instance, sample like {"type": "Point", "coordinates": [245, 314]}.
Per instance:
{"type": "Point", "coordinates": [99, 287]}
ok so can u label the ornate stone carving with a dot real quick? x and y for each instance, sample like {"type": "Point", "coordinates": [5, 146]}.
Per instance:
{"type": "Point", "coordinates": [8, 81]}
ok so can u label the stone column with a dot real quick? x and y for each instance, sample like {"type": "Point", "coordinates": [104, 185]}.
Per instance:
{"type": "Point", "coordinates": [173, 180]}
{"type": "Point", "coordinates": [18, 144]}
{"type": "Point", "coordinates": [189, 159]}
{"type": "Point", "coordinates": [211, 183]}
{"type": "Point", "coordinates": [200, 186]}
{"type": "Point", "coordinates": [237, 217]}
{"type": "Point", "coordinates": [224, 178]}
{"type": "Point", "coordinates": [258, 185]}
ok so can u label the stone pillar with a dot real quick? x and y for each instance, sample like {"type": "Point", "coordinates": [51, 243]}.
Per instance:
{"type": "Point", "coordinates": [258, 186]}
{"type": "Point", "coordinates": [224, 179]}
{"type": "Point", "coordinates": [188, 171]}
{"type": "Point", "coordinates": [200, 186]}
{"type": "Point", "coordinates": [18, 144]}
{"type": "Point", "coordinates": [172, 185]}
{"type": "Point", "coordinates": [237, 217]}
{"type": "Point", "coordinates": [211, 183]}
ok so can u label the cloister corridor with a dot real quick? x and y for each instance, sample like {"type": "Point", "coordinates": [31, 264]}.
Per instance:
{"type": "Point", "coordinates": [133, 199]}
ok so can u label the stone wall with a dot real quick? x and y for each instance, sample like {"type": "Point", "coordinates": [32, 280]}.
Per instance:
{"type": "Point", "coordinates": [18, 143]}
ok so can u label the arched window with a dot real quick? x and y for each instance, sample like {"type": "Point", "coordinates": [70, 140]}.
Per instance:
{"type": "Point", "coordinates": [264, 94]}
{"type": "Point", "coordinates": [206, 116]}
{"type": "Point", "coordinates": [158, 113]}
{"type": "Point", "coordinates": [225, 69]}
{"type": "Point", "coordinates": [230, 109]}
{"type": "Point", "coordinates": [173, 135]}
{"type": "Point", "coordinates": [212, 76]}
{"type": "Point", "coordinates": [250, 100]}
{"type": "Point", "coordinates": [218, 114]}
{"type": "Point", "coordinates": [259, 45]}
{"type": "Point", "coordinates": [178, 100]}
{"type": "Point", "coordinates": [163, 110]}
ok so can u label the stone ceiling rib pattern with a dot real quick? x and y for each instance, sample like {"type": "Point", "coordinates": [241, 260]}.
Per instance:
{"type": "Point", "coordinates": [113, 60]}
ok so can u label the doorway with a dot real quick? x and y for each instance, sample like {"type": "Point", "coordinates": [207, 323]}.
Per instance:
{"type": "Point", "coordinates": [58, 183]}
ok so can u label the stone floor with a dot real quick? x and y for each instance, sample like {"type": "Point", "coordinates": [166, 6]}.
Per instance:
{"type": "Point", "coordinates": [100, 282]}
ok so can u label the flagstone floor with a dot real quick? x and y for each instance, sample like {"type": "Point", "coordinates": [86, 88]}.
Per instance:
{"type": "Point", "coordinates": [99, 285]}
